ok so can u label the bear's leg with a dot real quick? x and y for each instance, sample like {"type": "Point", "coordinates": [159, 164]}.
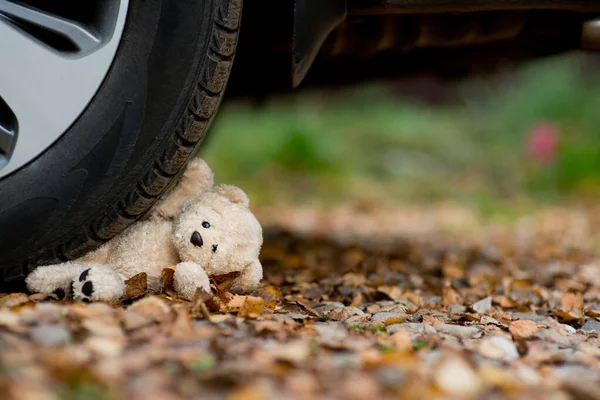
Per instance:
{"type": "Point", "coordinates": [98, 282]}
{"type": "Point", "coordinates": [188, 277]}
{"type": "Point", "coordinates": [55, 278]}
{"type": "Point", "coordinates": [249, 279]}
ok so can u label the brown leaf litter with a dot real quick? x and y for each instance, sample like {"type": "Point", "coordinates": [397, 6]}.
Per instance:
{"type": "Point", "coordinates": [357, 303]}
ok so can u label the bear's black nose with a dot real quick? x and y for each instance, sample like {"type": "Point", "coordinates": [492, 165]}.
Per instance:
{"type": "Point", "coordinates": [197, 239]}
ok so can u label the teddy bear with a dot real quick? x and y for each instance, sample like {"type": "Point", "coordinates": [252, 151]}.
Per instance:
{"type": "Point", "coordinates": [200, 230]}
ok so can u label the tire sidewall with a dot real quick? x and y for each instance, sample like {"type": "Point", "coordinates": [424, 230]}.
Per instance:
{"type": "Point", "coordinates": [121, 133]}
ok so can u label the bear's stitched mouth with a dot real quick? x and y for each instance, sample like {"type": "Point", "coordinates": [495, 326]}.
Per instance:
{"type": "Point", "coordinates": [214, 248]}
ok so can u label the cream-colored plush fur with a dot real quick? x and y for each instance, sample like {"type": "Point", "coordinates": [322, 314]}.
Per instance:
{"type": "Point", "coordinates": [200, 229]}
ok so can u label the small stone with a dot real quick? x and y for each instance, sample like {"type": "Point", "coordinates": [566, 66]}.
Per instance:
{"type": "Point", "coordinates": [569, 329]}
{"type": "Point", "coordinates": [591, 326]}
{"type": "Point", "coordinates": [50, 335]}
{"type": "Point", "coordinates": [483, 306]}
{"type": "Point", "coordinates": [498, 348]}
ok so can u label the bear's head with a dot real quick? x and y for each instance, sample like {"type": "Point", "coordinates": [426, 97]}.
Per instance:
{"type": "Point", "coordinates": [217, 230]}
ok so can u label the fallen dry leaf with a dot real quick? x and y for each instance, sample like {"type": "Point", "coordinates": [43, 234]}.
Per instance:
{"type": "Point", "coordinates": [483, 306]}
{"type": "Point", "coordinates": [401, 340]}
{"type": "Point", "coordinates": [572, 304]}
{"type": "Point", "coordinates": [271, 295]}
{"type": "Point", "coordinates": [450, 297]}
{"type": "Point", "coordinates": [359, 303]}
{"type": "Point", "coordinates": [225, 280]}
{"type": "Point", "coordinates": [153, 307]}
{"type": "Point", "coordinates": [167, 277]}
{"type": "Point", "coordinates": [13, 300]}
{"type": "Point", "coordinates": [523, 329]}
{"type": "Point", "coordinates": [392, 292]}
{"type": "Point", "coordinates": [201, 298]}
{"type": "Point", "coordinates": [233, 304]}
{"type": "Point", "coordinates": [136, 286]}
{"type": "Point", "coordinates": [252, 307]}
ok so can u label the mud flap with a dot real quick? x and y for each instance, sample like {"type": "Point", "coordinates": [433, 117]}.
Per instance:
{"type": "Point", "coordinates": [314, 20]}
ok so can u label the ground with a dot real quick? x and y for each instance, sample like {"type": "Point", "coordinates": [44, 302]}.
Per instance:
{"type": "Point", "coordinates": [466, 266]}
{"type": "Point", "coordinates": [358, 302]}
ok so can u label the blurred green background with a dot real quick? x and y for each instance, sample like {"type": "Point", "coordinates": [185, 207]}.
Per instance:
{"type": "Point", "coordinates": [520, 138]}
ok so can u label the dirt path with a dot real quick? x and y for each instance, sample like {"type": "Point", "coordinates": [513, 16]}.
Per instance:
{"type": "Point", "coordinates": [356, 304]}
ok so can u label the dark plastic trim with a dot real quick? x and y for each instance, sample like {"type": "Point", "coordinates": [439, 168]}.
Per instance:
{"type": "Point", "coordinates": [313, 22]}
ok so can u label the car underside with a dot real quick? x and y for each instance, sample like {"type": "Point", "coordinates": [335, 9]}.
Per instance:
{"type": "Point", "coordinates": [290, 44]}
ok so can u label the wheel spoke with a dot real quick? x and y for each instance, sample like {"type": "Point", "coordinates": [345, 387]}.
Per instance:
{"type": "Point", "coordinates": [33, 79]}
{"type": "Point", "coordinates": [83, 38]}
{"type": "Point", "coordinates": [7, 139]}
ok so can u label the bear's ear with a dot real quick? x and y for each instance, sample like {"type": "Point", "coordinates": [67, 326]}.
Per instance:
{"type": "Point", "coordinates": [233, 194]}
{"type": "Point", "coordinates": [197, 178]}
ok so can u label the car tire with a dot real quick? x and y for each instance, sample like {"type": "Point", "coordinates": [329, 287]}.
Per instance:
{"type": "Point", "coordinates": [130, 144]}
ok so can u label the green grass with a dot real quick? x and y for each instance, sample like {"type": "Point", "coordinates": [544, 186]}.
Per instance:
{"type": "Point", "coordinates": [365, 144]}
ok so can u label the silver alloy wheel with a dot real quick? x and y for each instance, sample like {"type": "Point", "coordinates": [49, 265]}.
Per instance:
{"type": "Point", "coordinates": [54, 56]}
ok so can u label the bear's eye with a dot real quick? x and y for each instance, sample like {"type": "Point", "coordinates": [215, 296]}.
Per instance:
{"type": "Point", "coordinates": [206, 225]}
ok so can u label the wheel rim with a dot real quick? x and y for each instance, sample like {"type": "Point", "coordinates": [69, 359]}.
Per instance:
{"type": "Point", "coordinates": [54, 56]}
